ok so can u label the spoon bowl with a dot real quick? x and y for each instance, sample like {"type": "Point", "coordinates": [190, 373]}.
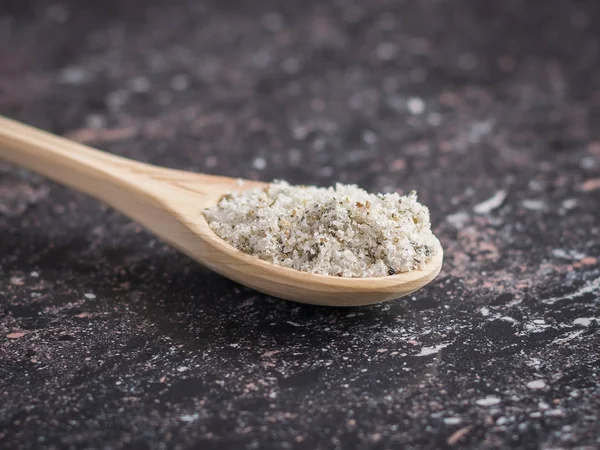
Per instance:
{"type": "Point", "coordinates": [170, 202]}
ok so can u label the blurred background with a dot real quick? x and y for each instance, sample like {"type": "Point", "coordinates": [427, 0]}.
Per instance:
{"type": "Point", "coordinates": [490, 110]}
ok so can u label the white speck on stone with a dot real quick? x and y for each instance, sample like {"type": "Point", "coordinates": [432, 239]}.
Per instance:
{"type": "Point", "coordinates": [491, 203]}
{"type": "Point", "coordinates": [501, 421]}
{"type": "Point", "coordinates": [535, 415]}
{"type": "Point", "coordinates": [588, 162]}
{"type": "Point", "coordinates": [369, 137]}
{"type": "Point", "coordinates": [189, 417]}
{"type": "Point", "coordinates": [385, 50]}
{"type": "Point", "coordinates": [435, 119]}
{"type": "Point", "coordinates": [555, 413]}
{"type": "Point", "coordinates": [294, 324]}
{"type": "Point", "coordinates": [234, 345]}
{"type": "Point", "coordinates": [95, 121]}
{"type": "Point", "coordinates": [259, 163]}
{"type": "Point", "coordinates": [539, 321]}
{"type": "Point", "coordinates": [488, 401]}
{"type": "Point", "coordinates": [534, 362]}
{"type": "Point", "coordinates": [479, 130]}
{"type": "Point", "coordinates": [535, 185]}
{"type": "Point", "coordinates": [140, 84]}
{"type": "Point", "coordinates": [300, 131]}
{"type": "Point", "coordinates": [431, 350]}
{"type": "Point", "coordinates": [180, 82]}
{"type": "Point", "coordinates": [326, 171]}
{"type": "Point", "coordinates": [89, 295]}
{"type": "Point", "coordinates": [568, 254]}
{"type": "Point", "coordinates": [319, 144]}
{"type": "Point", "coordinates": [508, 319]}
{"type": "Point", "coordinates": [34, 274]}
{"type": "Point", "coordinates": [484, 311]}
{"type": "Point", "coordinates": [534, 205]}
{"type": "Point", "coordinates": [273, 395]}
{"type": "Point", "coordinates": [459, 219]}
{"type": "Point", "coordinates": [543, 406]}
{"type": "Point", "coordinates": [182, 368]}
{"type": "Point", "coordinates": [585, 321]}
{"type": "Point", "coordinates": [73, 75]}
{"type": "Point", "coordinates": [536, 384]}
{"type": "Point", "coordinates": [560, 253]}
{"type": "Point", "coordinates": [535, 327]}
{"type": "Point", "coordinates": [211, 161]}
{"type": "Point", "coordinates": [569, 203]}
{"type": "Point", "coordinates": [116, 99]}
{"type": "Point", "coordinates": [452, 420]}
{"type": "Point", "coordinates": [415, 106]}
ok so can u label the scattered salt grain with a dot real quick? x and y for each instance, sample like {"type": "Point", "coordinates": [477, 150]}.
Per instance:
{"type": "Point", "coordinates": [479, 130]}
{"type": "Point", "coordinates": [89, 295]}
{"type": "Point", "coordinates": [425, 351]}
{"type": "Point", "coordinates": [452, 420]}
{"type": "Point", "coordinates": [259, 163]}
{"type": "Point", "coordinates": [567, 254]}
{"type": "Point", "coordinates": [534, 205]}
{"type": "Point", "coordinates": [74, 75]}
{"type": "Point", "coordinates": [569, 203]}
{"type": "Point", "coordinates": [189, 417]}
{"type": "Point", "coordinates": [416, 106]}
{"type": "Point", "coordinates": [491, 203]}
{"type": "Point", "coordinates": [211, 161]}
{"type": "Point", "coordinates": [536, 384]}
{"type": "Point", "coordinates": [140, 84]}
{"type": "Point", "coordinates": [488, 401]}
{"type": "Point", "coordinates": [585, 321]}
{"type": "Point", "coordinates": [386, 51]}
{"type": "Point", "coordinates": [341, 231]}
{"type": "Point", "coordinates": [458, 220]}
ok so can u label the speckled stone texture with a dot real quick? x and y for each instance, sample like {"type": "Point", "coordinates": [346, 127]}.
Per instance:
{"type": "Point", "coordinates": [111, 339]}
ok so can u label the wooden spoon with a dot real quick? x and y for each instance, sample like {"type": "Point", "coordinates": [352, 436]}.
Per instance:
{"type": "Point", "coordinates": [170, 203]}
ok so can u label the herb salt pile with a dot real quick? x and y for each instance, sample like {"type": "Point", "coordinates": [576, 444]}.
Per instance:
{"type": "Point", "coordinates": [342, 231]}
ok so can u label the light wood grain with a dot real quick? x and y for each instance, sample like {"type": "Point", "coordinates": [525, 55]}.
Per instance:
{"type": "Point", "coordinates": [170, 202]}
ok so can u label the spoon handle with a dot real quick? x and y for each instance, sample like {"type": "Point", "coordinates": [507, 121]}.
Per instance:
{"type": "Point", "coordinates": [99, 174]}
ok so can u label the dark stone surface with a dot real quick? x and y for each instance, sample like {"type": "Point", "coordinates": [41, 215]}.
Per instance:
{"type": "Point", "coordinates": [110, 339]}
